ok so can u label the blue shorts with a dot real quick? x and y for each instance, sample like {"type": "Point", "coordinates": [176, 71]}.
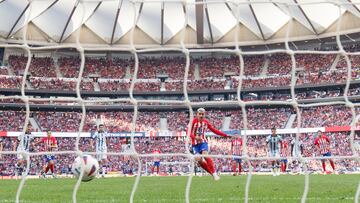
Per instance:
{"type": "Point", "coordinates": [327, 154]}
{"type": "Point", "coordinates": [284, 160]}
{"type": "Point", "coordinates": [199, 148]}
{"type": "Point", "coordinates": [237, 160]}
{"type": "Point", "coordinates": [49, 158]}
{"type": "Point", "coordinates": [157, 163]}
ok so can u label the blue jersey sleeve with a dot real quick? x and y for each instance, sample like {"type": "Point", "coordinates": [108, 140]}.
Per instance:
{"type": "Point", "coordinates": [268, 138]}
{"type": "Point", "coordinates": [93, 135]}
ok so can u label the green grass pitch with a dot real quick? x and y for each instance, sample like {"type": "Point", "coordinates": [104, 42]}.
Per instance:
{"type": "Point", "coordinates": [285, 188]}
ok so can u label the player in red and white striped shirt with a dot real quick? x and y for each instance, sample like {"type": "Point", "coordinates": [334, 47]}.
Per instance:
{"type": "Point", "coordinates": [284, 149]}
{"type": "Point", "coordinates": [322, 143]}
{"type": "Point", "coordinates": [156, 161]}
{"type": "Point", "coordinates": [236, 150]}
{"type": "Point", "coordinates": [50, 144]}
{"type": "Point", "coordinates": [199, 142]}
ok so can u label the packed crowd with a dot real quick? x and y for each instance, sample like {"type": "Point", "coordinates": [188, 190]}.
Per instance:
{"type": "Point", "coordinates": [326, 116]}
{"type": "Point", "coordinates": [215, 73]}
{"type": "Point", "coordinates": [256, 145]}
{"type": "Point", "coordinates": [175, 85]}
{"type": "Point", "coordinates": [3, 70]}
{"type": "Point", "coordinates": [116, 85]}
{"type": "Point", "coordinates": [60, 84]}
{"type": "Point", "coordinates": [174, 67]}
{"type": "Point", "coordinates": [260, 118]}
{"type": "Point", "coordinates": [281, 64]}
{"type": "Point", "coordinates": [105, 68]}
{"type": "Point", "coordinates": [10, 82]}
{"type": "Point", "coordinates": [116, 121]}
{"type": "Point", "coordinates": [39, 66]}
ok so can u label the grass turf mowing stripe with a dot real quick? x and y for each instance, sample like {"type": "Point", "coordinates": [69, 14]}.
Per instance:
{"type": "Point", "coordinates": [286, 188]}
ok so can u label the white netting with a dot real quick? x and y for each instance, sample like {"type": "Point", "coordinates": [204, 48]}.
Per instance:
{"type": "Point", "coordinates": [186, 102]}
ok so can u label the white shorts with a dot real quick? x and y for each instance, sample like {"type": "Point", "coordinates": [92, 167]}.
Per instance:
{"type": "Point", "coordinates": [21, 156]}
{"type": "Point", "coordinates": [296, 155]}
{"type": "Point", "coordinates": [100, 155]}
{"type": "Point", "coordinates": [274, 154]}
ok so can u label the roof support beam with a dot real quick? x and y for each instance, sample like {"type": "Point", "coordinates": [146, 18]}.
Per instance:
{"type": "Point", "coordinates": [228, 6]}
{"type": "Point", "coordinates": [307, 18]}
{"type": "Point", "coordinates": [17, 20]}
{"type": "Point", "coordinates": [356, 8]}
{"type": "Point", "coordinates": [162, 23]}
{"type": "Point", "coordinates": [68, 21]}
{"type": "Point", "coordinates": [257, 21]}
{"type": "Point", "coordinates": [199, 13]}
{"type": "Point", "coordinates": [96, 8]}
{"type": "Point", "coordinates": [115, 22]}
{"type": "Point", "coordinates": [140, 10]}
{"type": "Point", "coordinates": [209, 24]}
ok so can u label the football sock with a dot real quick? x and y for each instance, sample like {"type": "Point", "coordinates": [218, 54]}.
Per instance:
{"type": "Point", "coordinates": [52, 168]}
{"type": "Point", "coordinates": [323, 166]}
{"type": "Point", "coordinates": [332, 165]}
{"type": "Point", "coordinates": [47, 168]}
{"type": "Point", "coordinates": [210, 164]}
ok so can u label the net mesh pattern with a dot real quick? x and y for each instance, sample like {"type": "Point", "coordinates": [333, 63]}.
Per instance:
{"type": "Point", "coordinates": [186, 102]}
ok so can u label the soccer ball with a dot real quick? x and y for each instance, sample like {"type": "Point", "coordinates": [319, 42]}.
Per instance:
{"type": "Point", "coordinates": [91, 167]}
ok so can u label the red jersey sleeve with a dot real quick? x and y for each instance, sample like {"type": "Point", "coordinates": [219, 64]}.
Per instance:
{"type": "Point", "coordinates": [216, 131]}
{"type": "Point", "coordinates": [192, 135]}
{"type": "Point", "coordinates": [53, 140]}
{"type": "Point", "coordinates": [316, 141]}
{"type": "Point", "coordinates": [327, 138]}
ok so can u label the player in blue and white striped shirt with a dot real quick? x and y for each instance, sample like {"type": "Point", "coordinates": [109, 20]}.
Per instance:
{"type": "Point", "coordinates": [101, 147]}
{"type": "Point", "coordinates": [274, 142]}
{"type": "Point", "coordinates": [24, 141]}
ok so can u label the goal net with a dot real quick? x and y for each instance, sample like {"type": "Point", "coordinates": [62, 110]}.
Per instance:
{"type": "Point", "coordinates": [238, 78]}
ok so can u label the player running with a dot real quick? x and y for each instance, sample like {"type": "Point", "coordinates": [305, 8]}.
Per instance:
{"type": "Point", "coordinates": [50, 145]}
{"type": "Point", "coordinates": [322, 143]}
{"type": "Point", "coordinates": [101, 147]}
{"type": "Point", "coordinates": [236, 150]}
{"type": "Point", "coordinates": [274, 141]}
{"type": "Point", "coordinates": [23, 143]}
{"type": "Point", "coordinates": [156, 162]}
{"type": "Point", "coordinates": [200, 143]}
{"type": "Point", "coordinates": [284, 153]}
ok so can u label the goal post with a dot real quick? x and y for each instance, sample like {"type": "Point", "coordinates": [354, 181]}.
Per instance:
{"type": "Point", "coordinates": [236, 48]}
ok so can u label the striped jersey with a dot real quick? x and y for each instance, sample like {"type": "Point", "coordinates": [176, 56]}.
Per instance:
{"type": "Point", "coordinates": [274, 143]}
{"type": "Point", "coordinates": [323, 143]}
{"type": "Point", "coordinates": [100, 140]}
{"type": "Point", "coordinates": [199, 128]}
{"type": "Point", "coordinates": [236, 147]}
{"type": "Point", "coordinates": [284, 149]}
{"type": "Point", "coordinates": [49, 142]}
{"type": "Point", "coordinates": [24, 140]}
{"type": "Point", "coordinates": [156, 151]}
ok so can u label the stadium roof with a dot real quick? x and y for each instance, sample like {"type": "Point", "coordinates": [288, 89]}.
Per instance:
{"type": "Point", "coordinates": [158, 23]}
